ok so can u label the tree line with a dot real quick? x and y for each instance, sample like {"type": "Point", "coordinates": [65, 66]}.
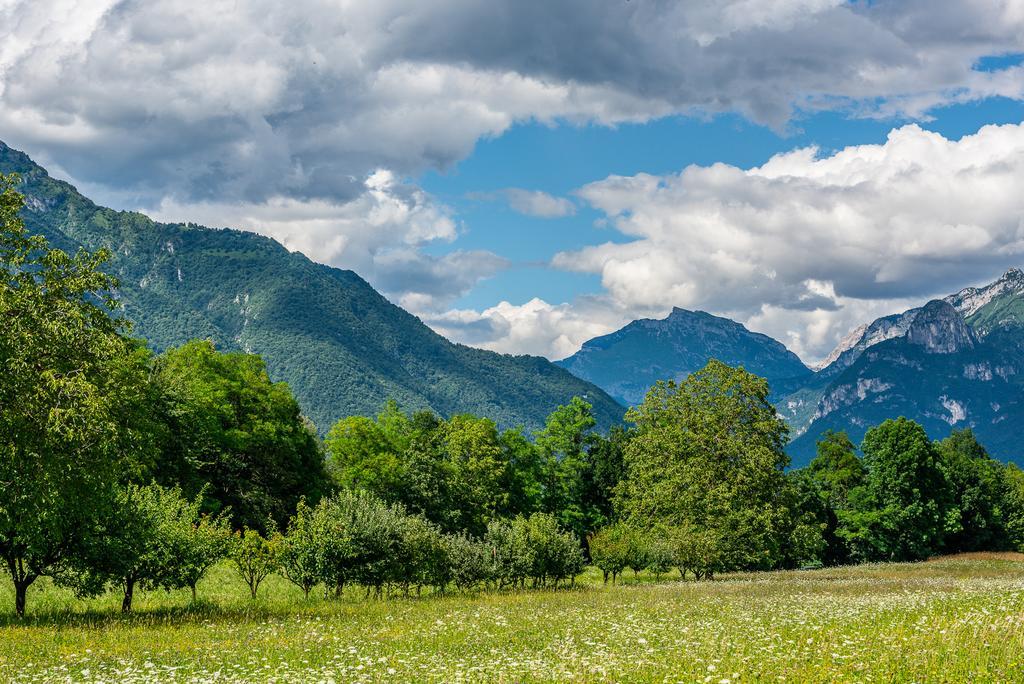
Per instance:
{"type": "Point", "coordinates": [121, 468]}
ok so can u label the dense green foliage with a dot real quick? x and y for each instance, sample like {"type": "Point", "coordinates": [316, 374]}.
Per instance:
{"type": "Point", "coordinates": [70, 391]}
{"type": "Point", "coordinates": [463, 472]}
{"type": "Point", "coordinates": [910, 498]}
{"type": "Point", "coordinates": [341, 346]}
{"type": "Point", "coordinates": [235, 436]}
{"type": "Point", "coordinates": [708, 456]}
{"type": "Point", "coordinates": [154, 538]}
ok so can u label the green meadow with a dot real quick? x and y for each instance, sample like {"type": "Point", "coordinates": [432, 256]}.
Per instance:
{"type": "Point", "coordinates": [952, 619]}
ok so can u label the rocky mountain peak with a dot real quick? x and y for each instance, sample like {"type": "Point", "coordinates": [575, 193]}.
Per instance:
{"type": "Point", "coordinates": [940, 329]}
{"type": "Point", "coordinates": [971, 299]}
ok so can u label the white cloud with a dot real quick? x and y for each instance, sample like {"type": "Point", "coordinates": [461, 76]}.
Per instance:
{"type": "Point", "coordinates": [804, 247]}
{"type": "Point", "coordinates": [276, 116]}
{"type": "Point", "coordinates": [536, 327]}
{"type": "Point", "coordinates": [218, 100]}
{"type": "Point", "coordinates": [536, 203]}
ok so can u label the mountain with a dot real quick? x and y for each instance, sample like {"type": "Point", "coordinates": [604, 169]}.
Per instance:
{"type": "Point", "coordinates": [627, 362]}
{"type": "Point", "coordinates": [342, 347]}
{"type": "Point", "coordinates": [939, 373]}
{"type": "Point", "coordinates": [954, 363]}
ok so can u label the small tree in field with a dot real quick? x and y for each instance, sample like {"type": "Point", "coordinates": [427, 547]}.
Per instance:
{"type": "Point", "coordinates": [299, 553]}
{"type": "Point", "coordinates": [199, 542]}
{"type": "Point", "coordinates": [154, 538]}
{"type": "Point", "coordinates": [470, 561]}
{"type": "Point", "coordinates": [660, 555]}
{"type": "Point", "coordinates": [511, 554]}
{"type": "Point", "coordinates": [255, 557]}
{"type": "Point", "coordinates": [609, 549]}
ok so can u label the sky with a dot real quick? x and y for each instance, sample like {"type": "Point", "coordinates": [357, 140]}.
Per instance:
{"type": "Point", "coordinates": [525, 175]}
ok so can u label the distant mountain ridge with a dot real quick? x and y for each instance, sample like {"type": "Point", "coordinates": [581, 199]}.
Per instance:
{"type": "Point", "coordinates": [627, 362]}
{"type": "Point", "coordinates": [342, 347]}
{"type": "Point", "coordinates": [952, 363]}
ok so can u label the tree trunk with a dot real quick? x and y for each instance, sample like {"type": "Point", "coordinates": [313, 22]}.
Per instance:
{"type": "Point", "coordinates": [193, 592]}
{"type": "Point", "coordinates": [129, 591]}
{"type": "Point", "coordinates": [253, 587]}
{"type": "Point", "coordinates": [22, 579]}
{"type": "Point", "coordinates": [20, 590]}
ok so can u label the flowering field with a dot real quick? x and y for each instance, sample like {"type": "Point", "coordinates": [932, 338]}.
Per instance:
{"type": "Point", "coordinates": [956, 619]}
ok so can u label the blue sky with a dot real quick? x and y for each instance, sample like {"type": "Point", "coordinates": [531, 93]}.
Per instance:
{"type": "Point", "coordinates": [527, 174]}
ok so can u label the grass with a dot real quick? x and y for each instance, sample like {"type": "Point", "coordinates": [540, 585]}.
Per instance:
{"type": "Point", "coordinates": [952, 619]}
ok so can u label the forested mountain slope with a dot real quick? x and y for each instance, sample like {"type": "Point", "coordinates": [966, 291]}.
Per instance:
{"type": "Point", "coordinates": [341, 346]}
{"type": "Point", "coordinates": [627, 362]}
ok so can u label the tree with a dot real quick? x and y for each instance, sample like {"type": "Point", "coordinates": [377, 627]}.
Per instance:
{"type": "Point", "coordinates": [368, 454]}
{"type": "Point", "coordinates": [511, 555]}
{"type": "Point", "coordinates": [476, 472]}
{"type": "Point", "coordinates": [605, 470]}
{"type": "Point", "coordinates": [609, 550]}
{"type": "Point", "coordinates": [1013, 506]}
{"type": "Point", "coordinates": [555, 554]}
{"type": "Point", "coordinates": [820, 491]}
{"type": "Point", "coordinates": [976, 485]}
{"type": "Point", "coordinates": [699, 551]}
{"type": "Point", "coordinates": [707, 454]}
{"type": "Point", "coordinates": [469, 559]}
{"type": "Point", "coordinates": [199, 541]}
{"type": "Point", "coordinates": [255, 557]}
{"type": "Point", "coordinates": [566, 469]}
{"type": "Point", "coordinates": [154, 537]}
{"type": "Point", "coordinates": [837, 467]}
{"type": "Point", "coordinates": [236, 436]}
{"type": "Point", "coordinates": [661, 557]}
{"type": "Point", "coordinates": [299, 551]}
{"type": "Point", "coordinates": [900, 513]}
{"type": "Point", "coordinates": [72, 398]}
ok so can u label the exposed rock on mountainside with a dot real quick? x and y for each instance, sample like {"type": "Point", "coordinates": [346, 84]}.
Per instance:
{"type": "Point", "coordinates": [940, 329]}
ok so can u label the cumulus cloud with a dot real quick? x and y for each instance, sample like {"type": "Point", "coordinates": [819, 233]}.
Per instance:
{"type": "Point", "coordinates": [218, 100]}
{"type": "Point", "coordinates": [536, 327]}
{"type": "Point", "coordinates": [536, 203]}
{"type": "Point", "coordinates": [804, 247]}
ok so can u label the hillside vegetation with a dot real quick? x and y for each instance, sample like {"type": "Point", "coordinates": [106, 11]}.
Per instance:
{"type": "Point", "coordinates": [339, 344]}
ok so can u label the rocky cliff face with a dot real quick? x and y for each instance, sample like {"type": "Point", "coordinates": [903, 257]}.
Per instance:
{"type": "Point", "coordinates": [940, 329]}
{"type": "Point", "coordinates": [854, 344]}
{"type": "Point", "coordinates": [972, 299]}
